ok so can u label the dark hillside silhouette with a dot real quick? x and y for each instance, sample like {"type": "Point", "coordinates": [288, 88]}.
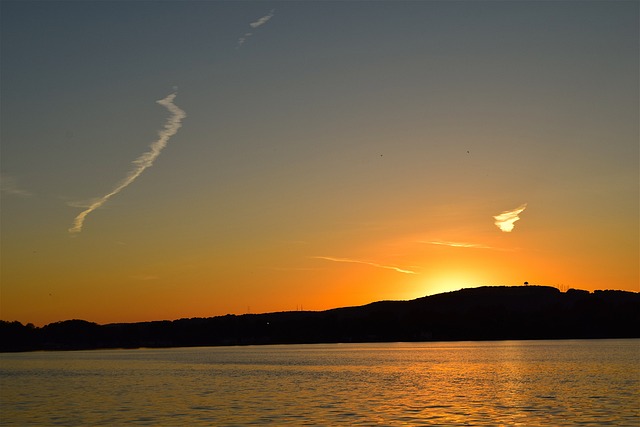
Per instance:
{"type": "Point", "coordinates": [486, 313]}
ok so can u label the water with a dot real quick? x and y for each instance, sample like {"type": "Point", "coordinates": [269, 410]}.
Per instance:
{"type": "Point", "coordinates": [531, 383]}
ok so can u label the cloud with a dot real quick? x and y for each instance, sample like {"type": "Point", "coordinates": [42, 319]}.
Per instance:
{"type": "Point", "coordinates": [263, 20]}
{"type": "Point", "coordinates": [356, 261]}
{"type": "Point", "coordinates": [258, 23]}
{"type": "Point", "coordinates": [505, 221]}
{"type": "Point", "coordinates": [458, 244]}
{"type": "Point", "coordinates": [83, 204]}
{"type": "Point", "coordinates": [244, 38]}
{"type": "Point", "coordinates": [174, 122]}
{"type": "Point", "coordinates": [9, 187]}
{"type": "Point", "coordinates": [463, 245]}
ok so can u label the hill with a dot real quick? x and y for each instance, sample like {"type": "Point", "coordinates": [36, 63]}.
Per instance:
{"type": "Point", "coordinates": [485, 313]}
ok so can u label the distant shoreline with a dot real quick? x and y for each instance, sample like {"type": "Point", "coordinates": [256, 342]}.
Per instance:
{"type": "Point", "coordinates": [474, 314]}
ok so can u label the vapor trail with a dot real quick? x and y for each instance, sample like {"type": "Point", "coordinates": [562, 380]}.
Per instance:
{"type": "Point", "coordinates": [174, 122]}
{"type": "Point", "coordinates": [357, 261]}
{"type": "Point", "coordinates": [9, 187]}
{"type": "Point", "coordinates": [258, 23]}
{"type": "Point", "coordinates": [463, 245]}
{"type": "Point", "coordinates": [263, 20]}
{"type": "Point", "coordinates": [458, 244]}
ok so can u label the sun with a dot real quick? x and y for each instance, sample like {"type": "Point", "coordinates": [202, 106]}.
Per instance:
{"type": "Point", "coordinates": [448, 281]}
{"type": "Point", "coordinates": [437, 283]}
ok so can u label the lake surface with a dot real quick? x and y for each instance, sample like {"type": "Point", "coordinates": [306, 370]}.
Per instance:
{"type": "Point", "coordinates": [529, 383]}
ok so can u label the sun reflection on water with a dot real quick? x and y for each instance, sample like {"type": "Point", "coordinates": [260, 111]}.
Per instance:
{"type": "Point", "coordinates": [561, 383]}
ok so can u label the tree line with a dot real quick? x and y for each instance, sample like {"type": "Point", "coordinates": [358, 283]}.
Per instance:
{"type": "Point", "coordinates": [485, 313]}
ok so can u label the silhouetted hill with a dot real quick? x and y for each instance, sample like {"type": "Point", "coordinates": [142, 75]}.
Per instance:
{"type": "Point", "coordinates": [486, 313]}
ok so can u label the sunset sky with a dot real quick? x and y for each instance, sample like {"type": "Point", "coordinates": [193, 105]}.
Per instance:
{"type": "Point", "coordinates": [311, 154]}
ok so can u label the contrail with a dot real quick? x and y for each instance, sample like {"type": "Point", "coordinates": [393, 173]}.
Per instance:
{"type": "Point", "coordinates": [357, 261]}
{"type": "Point", "coordinates": [463, 245]}
{"type": "Point", "coordinates": [505, 221]}
{"type": "Point", "coordinates": [458, 244]}
{"type": "Point", "coordinates": [174, 122]}
{"type": "Point", "coordinates": [258, 23]}
{"type": "Point", "coordinates": [263, 20]}
{"type": "Point", "coordinates": [9, 187]}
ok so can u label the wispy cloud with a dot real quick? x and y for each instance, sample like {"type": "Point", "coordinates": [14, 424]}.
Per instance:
{"type": "Point", "coordinates": [9, 187]}
{"type": "Point", "coordinates": [263, 20]}
{"type": "Point", "coordinates": [174, 122]}
{"type": "Point", "coordinates": [258, 23]}
{"type": "Point", "coordinates": [243, 39]}
{"type": "Point", "coordinates": [458, 244]}
{"type": "Point", "coordinates": [357, 261]}
{"type": "Point", "coordinates": [505, 221]}
{"type": "Point", "coordinates": [464, 245]}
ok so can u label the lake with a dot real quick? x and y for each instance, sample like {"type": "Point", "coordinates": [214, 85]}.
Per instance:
{"type": "Point", "coordinates": [530, 383]}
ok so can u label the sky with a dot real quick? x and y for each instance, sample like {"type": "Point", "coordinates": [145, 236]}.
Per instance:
{"type": "Point", "coordinates": [175, 159]}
